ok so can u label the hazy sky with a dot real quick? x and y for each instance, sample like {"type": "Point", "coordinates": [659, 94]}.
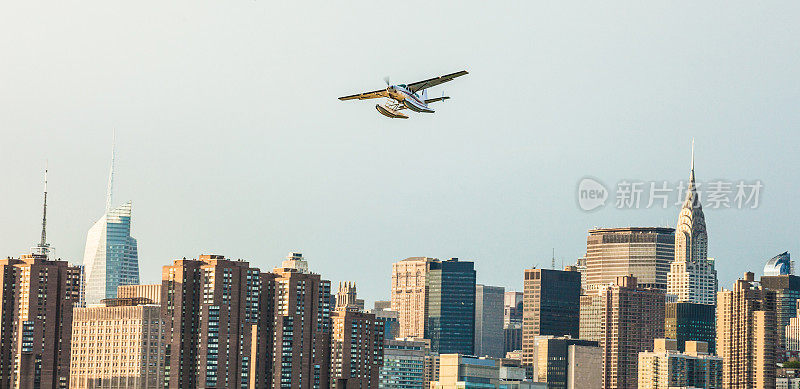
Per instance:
{"type": "Point", "coordinates": [231, 140]}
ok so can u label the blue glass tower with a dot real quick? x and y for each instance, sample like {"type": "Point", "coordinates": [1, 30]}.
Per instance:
{"type": "Point", "coordinates": [111, 258]}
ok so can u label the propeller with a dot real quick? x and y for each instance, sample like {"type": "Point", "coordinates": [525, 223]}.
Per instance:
{"type": "Point", "coordinates": [386, 80]}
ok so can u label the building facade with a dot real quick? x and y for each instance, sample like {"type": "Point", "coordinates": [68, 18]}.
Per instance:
{"type": "Point", "coordinates": [584, 367]}
{"type": "Point", "coordinates": [665, 367]}
{"type": "Point", "coordinates": [787, 293]}
{"type": "Point", "coordinates": [629, 318]}
{"type": "Point", "coordinates": [553, 365]}
{"type": "Point", "coordinates": [643, 252]}
{"type": "Point", "coordinates": [689, 321]}
{"type": "Point", "coordinates": [692, 276]}
{"type": "Point", "coordinates": [119, 345]}
{"type": "Point", "coordinates": [408, 294]}
{"type": "Point", "coordinates": [512, 308]}
{"type": "Point", "coordinates": [404, 364]}
{"type": "Point", "coordinates": [218, 319]}
{"type": "Point", "coordinates": [302, 326]}
{"type": "Point", "coordinates": [747, 335]}
{"type": "Point", "coordinates": [551, 306]}
{"type": "Point", "coordinates": [356, 349]}
{"type": "Point", "coordinates": [37, 299]}
{"type": "Point", "coordinates": [489, 306]}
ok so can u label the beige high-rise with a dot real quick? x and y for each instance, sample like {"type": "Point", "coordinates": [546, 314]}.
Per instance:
{"type": "Point", "coordinates": [117, 346]}
{"type": "Point", "coordinates": [408, 294]}
{"type": "Point", "coordinates": [627, 318]}
{"type": "Point", "coordinates": [746, 335]}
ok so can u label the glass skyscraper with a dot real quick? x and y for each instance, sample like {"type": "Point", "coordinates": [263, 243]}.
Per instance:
{"type": "Point", "coordinates": [111, 257]}
{"type": "Point", "coordinates": [450, 307]}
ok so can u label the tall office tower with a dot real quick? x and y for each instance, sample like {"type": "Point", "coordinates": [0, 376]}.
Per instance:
{"type": "Point", "coordinates": [746, 335]}
{"type": "Point", "coordinates": [692, 277]}
{"type": "Point", "coordinates": [404, 363]}
{"type": "Point", "coordinates": [489, 321]}
{"type": "Point", "coordinates": [643, 252]}
{"type": "Point", "coordinates": [787, 293]}
{"type": "Point", "coordinates": [118, 345]}
{"type": "Point", "coordinates": [356, 349]}
{"type": "Point", "coordinates": [436, 301]}
{"type": "Point", "coordinates": [450, 306]}
{"type": "Point", "coordinates": [666, 367]}
{"type": "Point", "coordinates": [689, 321]}
{"type": "Point", "coordinates": [581, 267]}
{"type": "Point", "coordinates": [408, 294]}
{"type": "Point", "coordinates": [512, 308]}
{"type": "Point", "coordinates": [779, 265]}
{"type": "Point", "coordinates": [302, 326]}
{"type": "Point", "coordinates": [584, 367]}
{"type": "Point", "coordinates": [110, 258]}
{"type": "Point", "coordinates": [551, 307]}
{"type": "Point", "coordinates": [150, 292]}
{"type": "Point", "coordinates": [630, 317]}
{"type": "Point", "coordinates": [218, 323]}
{"type": "Point", "coordinates": [552, 360]}
{"type": "Point", "coordinates": [37, 298]}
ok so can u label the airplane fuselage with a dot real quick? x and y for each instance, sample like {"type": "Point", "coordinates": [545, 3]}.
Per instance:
{"type": "Point", "coordinates": [408, 98]}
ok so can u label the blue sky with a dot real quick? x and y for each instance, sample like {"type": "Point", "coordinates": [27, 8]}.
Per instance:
{"type": "Point", "coordinates": [231, 139]}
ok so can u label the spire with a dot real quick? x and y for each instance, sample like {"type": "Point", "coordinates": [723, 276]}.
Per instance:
{"type": "Point", "coordinates": [44, 211]}
{"type": "Point", "coordinates": [110, 190]}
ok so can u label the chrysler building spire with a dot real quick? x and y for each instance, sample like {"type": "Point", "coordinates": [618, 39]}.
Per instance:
{"type": "Point", "coordinates": [692, 277]}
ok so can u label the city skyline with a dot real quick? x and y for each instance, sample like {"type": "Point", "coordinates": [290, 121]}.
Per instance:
{"type": "Point", "coordinates": [234, 142]}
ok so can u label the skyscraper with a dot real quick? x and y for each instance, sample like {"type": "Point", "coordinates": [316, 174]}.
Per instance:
{"type": "Point", "coordinates": [643, 252]}
{"type": "Point", "coordinates": [746, 335]}
{"type": "Point", "coordinates": [512, 309]}
{"type": "Point", "coordinates": [450, 307]}
{"type": "Point", "coordinates": [690, 322]}
{"type": "Point", "coordinates": [779, 265]}
{"type": "Point", "coordinates": [436, 300]}
{"type": "Point", "coordinates": [408, 294]}
{"type": "Point", "coordinates": [551, 306]}
{"type": "Point", "coordinates": [37, 296]}
{"type": "Point", "coordinates": [218, 323]}
{"type": "Point", "coordinates": [302, 326]}
{"type": "Point", "coordinates": [111, 258]}
{"type": "Point", "coordinates": [787, 294]}
{"type": "Point", "coordinates": [489, 321]}
{"type": "Point", "coordinates": [628, 318]}
{"type": "Point", "coordinates": [692, 277]}
{"type": "Point", "coordinates": [404, 363]}
{"type": "Point", "coordinates": [356, 345]}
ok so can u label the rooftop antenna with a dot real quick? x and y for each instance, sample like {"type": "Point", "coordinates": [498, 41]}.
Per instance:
{"type": "Point", "coordinates": [44, 210]}
{"type": "Point", "coordinates": [693, 154]}
{"type": "Point", "coordinates": [110, 190]}
{"type": "Point", "coordinates": [43, 248]}
{"type": "Point", "coordinates": [553, 263]}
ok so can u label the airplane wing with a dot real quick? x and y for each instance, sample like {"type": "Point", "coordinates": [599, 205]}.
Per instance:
{"type": "Point", "coordinates": [420, 85]}
{"type": "Point", "coordinates": [433, 100]}
{"type": "Point", "coordinates": [367, 95]}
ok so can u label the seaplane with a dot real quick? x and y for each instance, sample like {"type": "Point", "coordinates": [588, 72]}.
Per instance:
{"type": "Point", "coordinates": [402, 96]}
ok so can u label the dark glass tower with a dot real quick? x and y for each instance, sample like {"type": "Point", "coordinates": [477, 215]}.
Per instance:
{"type": "Point", "coordinates": [450, 307]}
{"type": "Point", "coordinates": [689, 321]}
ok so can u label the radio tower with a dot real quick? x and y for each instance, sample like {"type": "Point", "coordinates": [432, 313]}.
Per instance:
{"type": "Point", "coordinates": [553, 263]}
